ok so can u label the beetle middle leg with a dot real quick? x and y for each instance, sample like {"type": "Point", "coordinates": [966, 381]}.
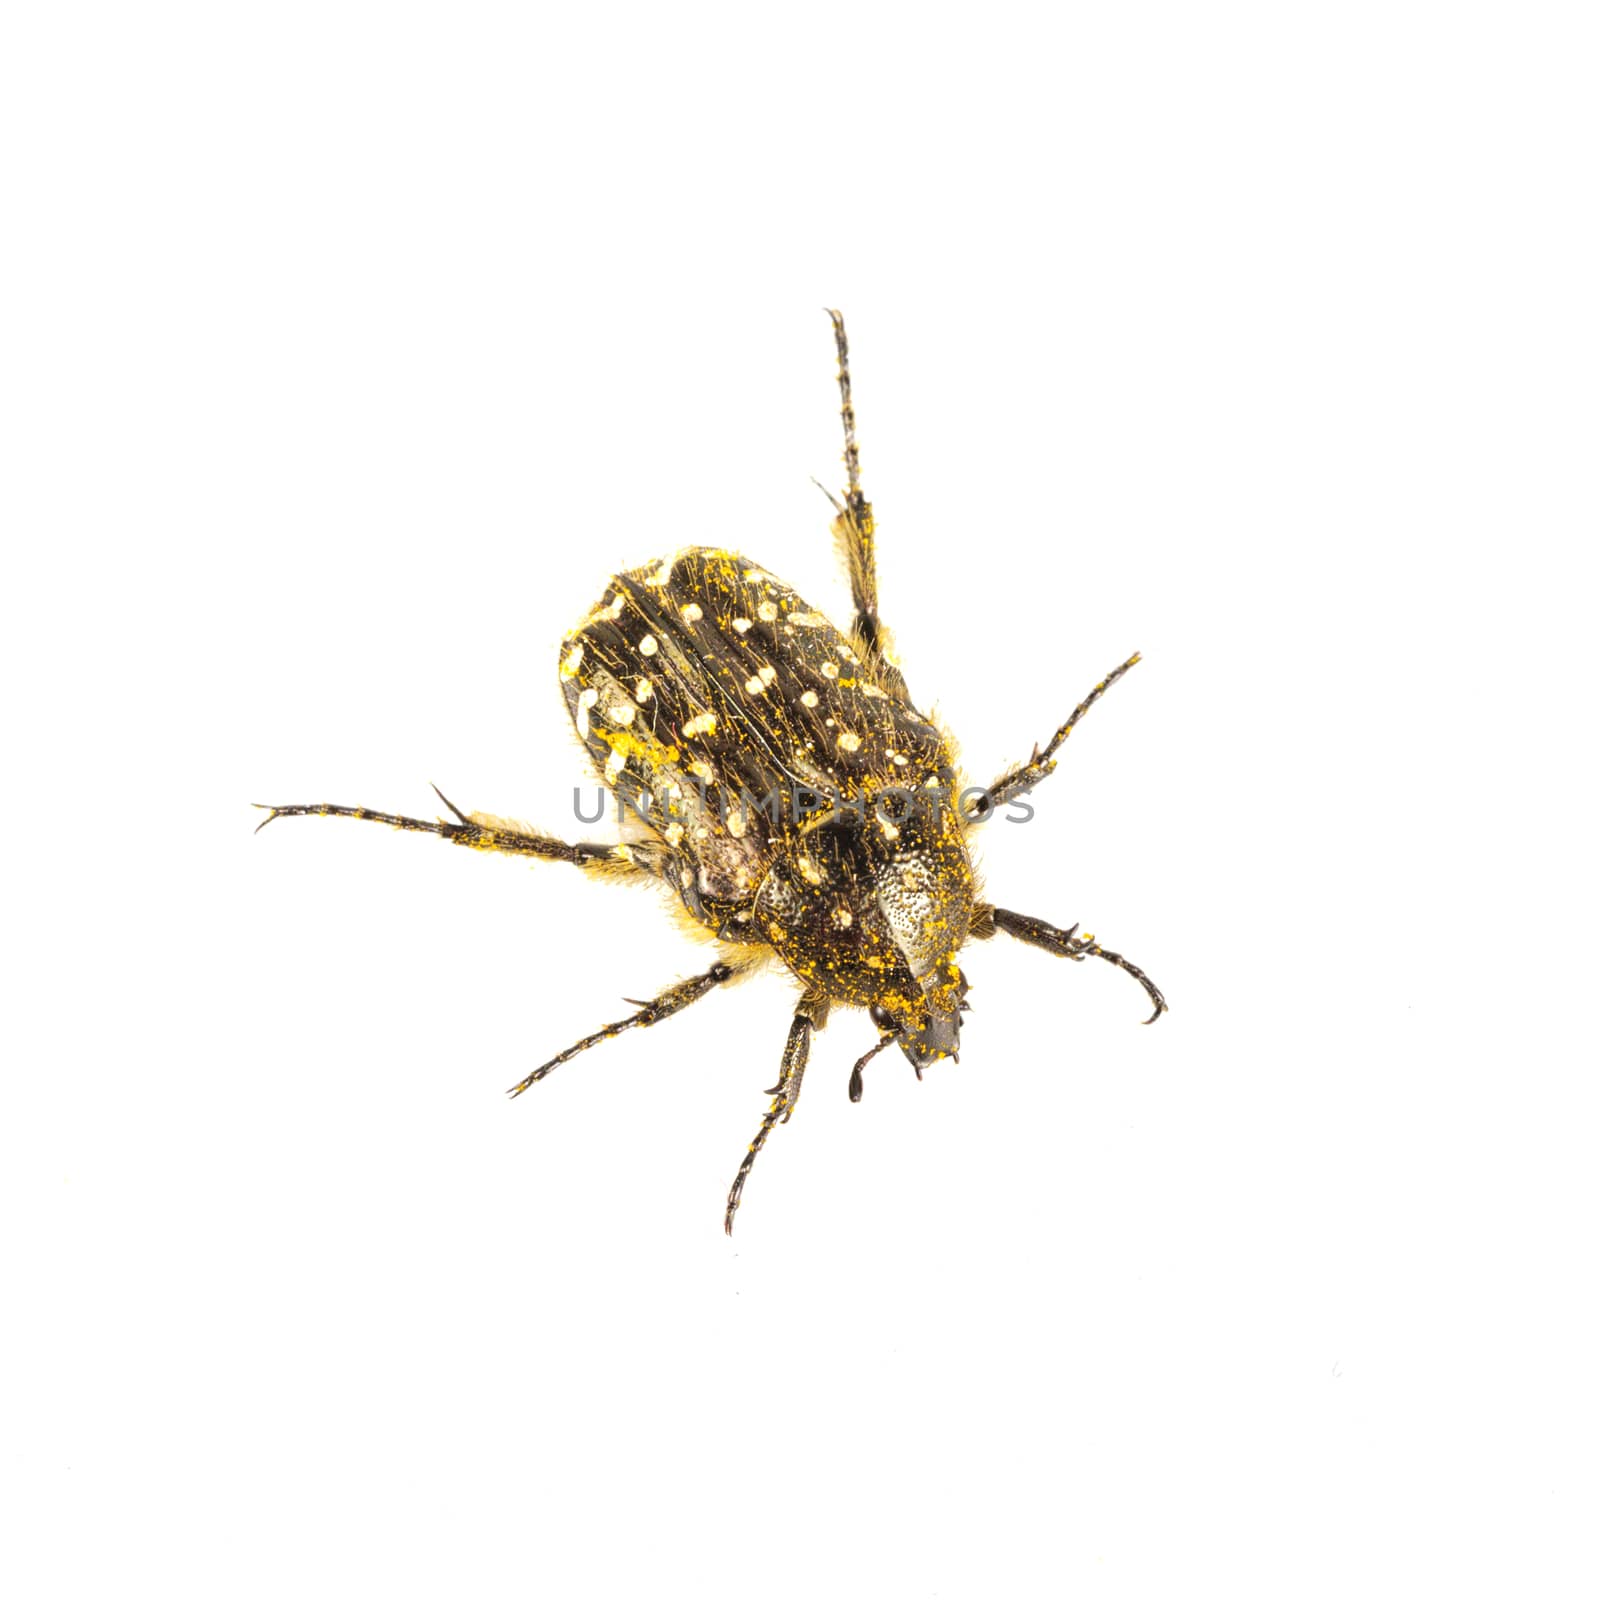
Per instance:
{"type": "Point", "coordinates": [668, 1003]}
{"type": "Point", "coordinates": [1025, 774]}
{"type": "Point", "coordinates": [988, 920]}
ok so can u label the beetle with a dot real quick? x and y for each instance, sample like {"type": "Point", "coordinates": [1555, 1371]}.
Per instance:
{"type": "Point", "coordinates": [784, 790]}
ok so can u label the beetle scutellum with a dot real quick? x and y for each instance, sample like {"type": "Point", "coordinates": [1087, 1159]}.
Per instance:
{"type": "Point", "coordinates": [787, 792]}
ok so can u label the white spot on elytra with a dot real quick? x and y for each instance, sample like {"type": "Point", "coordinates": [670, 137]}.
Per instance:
{"type": "Point", "coordinates": [585, 700]}
{"type": "Point", "coordinates": [648, 645]}
{"type": "Point", "coordinates": [809, 698]}
{"type": "Point", "coordinates": [754, 686]}
{"type": "Point", "coordinates": [706, 722]}
{"type": "Point", "coordinates": [572, 661]}
{"type": "Point", "coordinates": [767, 611]}
{"type": "Point", "coordinates": [873, 692]}
{"type": "Point", "coordinates": [842, 917]}
{"type": "Point", "coordinates": [849, 741]}
{"type": "Point", "coordinates": [742, 624]}
{"type": "Point", "coordinates": [808, 619]}
{"type": "Point", "coordinates": [829, 670]}
{"type": "Point", "coordinates": [644, 691]}
{"type": "Point", "coordinates": [692, 612]}
{"type": "Point", "coordinates": [808, 870]}
{"type": "Point", "coordinates": [769, 674]}
{"type": "Point", "coordinates": [615, 762]}
{"type": "Point", "coordinates": [674, 834]}
{"type": "Point", "coordinates": [621, 712]}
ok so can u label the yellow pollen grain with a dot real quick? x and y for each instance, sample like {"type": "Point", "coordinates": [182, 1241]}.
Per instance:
{"type": "Point", "coordinates": [648, 645]}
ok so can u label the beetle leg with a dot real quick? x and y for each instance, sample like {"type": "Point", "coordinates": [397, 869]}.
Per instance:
{"type": "Point", "coordinates": [479, 831]}
{"type": "Point", "coordinates": [785, 1095]}
{"type": "Point", "coordinates": [1022, 777]}
{"type": "Point", "coordinates": [665, 1004]}
{"type": "Point", "coordinates": [855, 534]}
{"type": "Point", "coordinates": [1061, 942]}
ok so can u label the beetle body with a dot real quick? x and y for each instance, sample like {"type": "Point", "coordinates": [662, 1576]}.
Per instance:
{"type": "Point", "coordinates": [798, 799]}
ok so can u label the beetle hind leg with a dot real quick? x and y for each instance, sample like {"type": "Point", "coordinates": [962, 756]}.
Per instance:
{"type": "Point", "coordinates": [855, 532]}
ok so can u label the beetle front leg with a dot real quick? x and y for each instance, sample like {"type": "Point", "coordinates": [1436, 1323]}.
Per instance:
{"type": "Point", "coordinates": [811, 1013]}
{"type": "Point", "coordinates": [1059, 941]}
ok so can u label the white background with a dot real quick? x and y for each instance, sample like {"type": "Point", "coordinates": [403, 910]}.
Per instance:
{"type": "Point", "coordinates": [347, 350]}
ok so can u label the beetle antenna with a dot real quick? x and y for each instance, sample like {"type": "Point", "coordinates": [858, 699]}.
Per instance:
{"type": "Point", "coordinates": [855, 1072]}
